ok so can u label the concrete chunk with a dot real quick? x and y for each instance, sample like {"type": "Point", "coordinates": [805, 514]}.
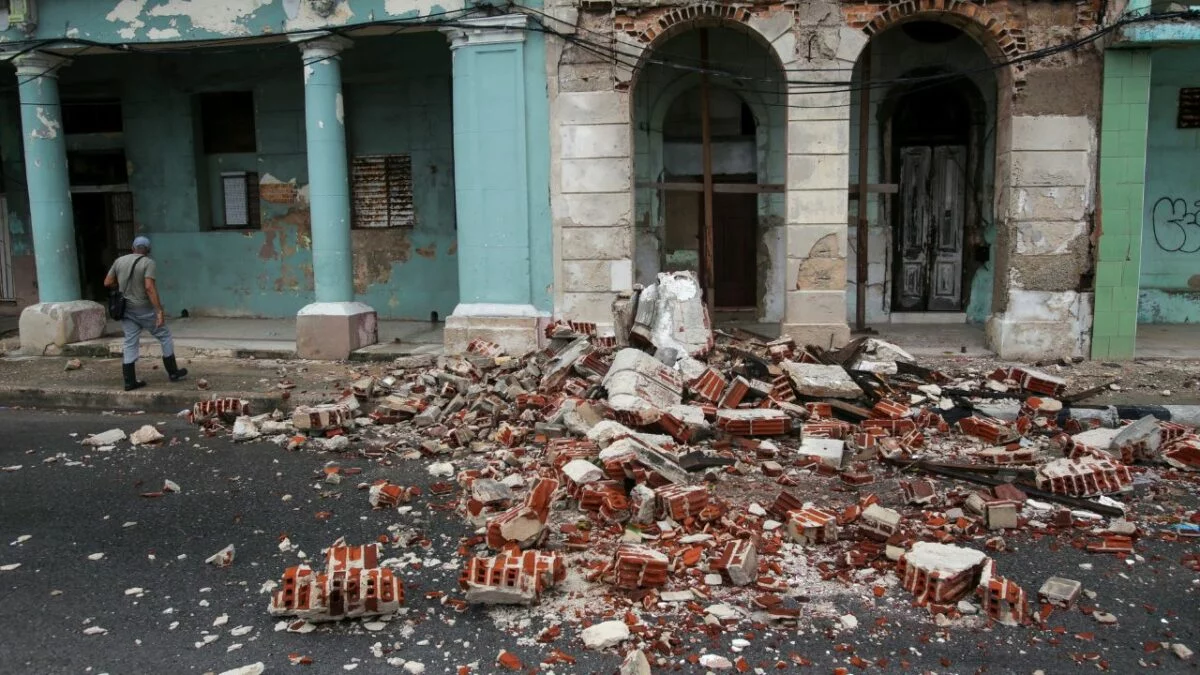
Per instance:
{"type": "Point", "coordinates": [605, 634]}
{"type": "Point", "coordinates": [821, 381]}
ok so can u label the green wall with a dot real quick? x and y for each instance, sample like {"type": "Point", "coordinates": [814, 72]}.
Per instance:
{"type": "Point", "coordinates": [391, 107]}
{"type": "Point", "coordinates": [1170, 272]}
{"type": "Point", "coordinates": [1124, 116]}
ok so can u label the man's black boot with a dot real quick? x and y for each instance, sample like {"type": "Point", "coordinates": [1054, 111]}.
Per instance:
{"type": "Point", "coordinates": [129, 370]}
{"type": "Point", "coordinates": [173, 370]}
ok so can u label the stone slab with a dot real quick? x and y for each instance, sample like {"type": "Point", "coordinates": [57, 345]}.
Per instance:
{"type": "Point", "coordinates": [47, 326]}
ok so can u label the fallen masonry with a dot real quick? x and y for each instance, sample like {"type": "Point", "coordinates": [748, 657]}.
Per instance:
{"type": "Point", "coordinates": [704, 481]}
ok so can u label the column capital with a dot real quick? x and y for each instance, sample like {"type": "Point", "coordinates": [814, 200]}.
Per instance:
{"type": "Point", "coordinates": [320, 44]}
{"type": "Point", "coordinates": [487, 30]}
{"type": "Point", "coordinates": [33, 65]}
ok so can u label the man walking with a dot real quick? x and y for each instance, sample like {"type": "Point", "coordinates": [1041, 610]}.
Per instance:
{"type": "Point", "coordinates": [134, 274]}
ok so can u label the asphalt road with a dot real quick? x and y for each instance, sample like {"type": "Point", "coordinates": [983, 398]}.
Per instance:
{"type": "Point", "coordinates": [74, 502]}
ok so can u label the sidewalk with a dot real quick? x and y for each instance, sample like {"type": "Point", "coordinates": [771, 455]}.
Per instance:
{"type": "Point", "coordinates": [262, 339]}
{"type": "Point", "coordinates": [43, 382]}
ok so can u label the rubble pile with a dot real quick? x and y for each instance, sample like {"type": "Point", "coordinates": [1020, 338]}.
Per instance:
{"type": "Point", "coordinates": [722, 476]}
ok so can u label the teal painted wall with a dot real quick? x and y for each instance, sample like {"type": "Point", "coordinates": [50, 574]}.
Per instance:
{"type": "Point", "coordinates": [1170, 271]}
{"type": "Point", "coordinates": [117, 21]}
{"type": "Point", "coordinates": [537, 140]}
{"type": "Point", "coordinates": [390, 106]}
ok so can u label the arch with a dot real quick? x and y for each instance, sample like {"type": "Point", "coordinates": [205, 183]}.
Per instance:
{"type": "Point", "coordinates": [644, 40]}
{"type": "Point", "coordinates": [999, 40]}
{"type": "Point", "coordinates": [659, 214]}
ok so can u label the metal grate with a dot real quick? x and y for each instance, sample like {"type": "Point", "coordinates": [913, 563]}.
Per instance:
{"type": "Point", "coordinates": [1189, 108]}
{"type": "Point", "coordinates": [382, 191]}
{"type": "Point", "coordinates": [121, 217]}
{"type": "Point", "coordinates": [240, 198]}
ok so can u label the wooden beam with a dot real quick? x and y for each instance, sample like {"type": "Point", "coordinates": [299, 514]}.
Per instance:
{"type": "Point", "coordinates": [706, 233]}
{"type": "Point", "coordinates": [877, 189]}
{"type": "Point", "coordinates": [864, 139]}
{"type": "Point", "coordinates": [727, 188]}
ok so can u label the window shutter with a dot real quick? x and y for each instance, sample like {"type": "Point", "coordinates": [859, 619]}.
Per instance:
{"type": "Point", "coordinates": [382, 191]}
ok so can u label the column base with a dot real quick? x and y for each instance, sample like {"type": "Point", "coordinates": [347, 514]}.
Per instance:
{"type": "Point", "coordinates": [516, 328]}
{"type": "Point", "coordinates": [1042, 324]}
{"type": "Point", "coordinates": [47, 326]}
{"type": "Point", "coordinates": [825, 335]}
{"type": "Point", "coordinates": [329, 331]}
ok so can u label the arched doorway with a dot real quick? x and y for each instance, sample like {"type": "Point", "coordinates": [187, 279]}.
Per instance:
{"type": "Point", "coordinates": [931, 159]}
{"type": "Point", "coordinates": [743, 103]}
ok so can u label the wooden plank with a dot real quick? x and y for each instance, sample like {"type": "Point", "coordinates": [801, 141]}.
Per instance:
{"type": "Point", "coordinates": [706, 234]}
{"type": "Point", "coordinates": [727, 188]}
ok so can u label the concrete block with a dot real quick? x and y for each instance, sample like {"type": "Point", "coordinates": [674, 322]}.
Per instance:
{"type": "Point", "coordinates": [588, 276]}
{"type": "Point", "coordinates": [821, 381]}
{"type": "Point", "coordinates": [1051, 168]}
{"type": "Point", "coordinates": [818, 137]}
{"type": "Point", "coordinates": [594, 209]}
{"type": "Point", "coordinates": [614, 174]}
{"type": "Point", "coordinates": [816, 307]}
{"type": "Point", "coordinates": [56, 324]}
{"type": "Point", "coordinates": [816, 241]}
{"type": "Point", "coordinates": [597, 243]}
{"type": "Point", "coordinates": [594, 307]}
{"type": "Point", "coordinates": [1057, 203]}
{"type": "Point", "coordinates": [826, 335]}
{"type": "Point", "coordinates": [329, 331]}
{"type": "Point", "coordinates": [592, 107]}
{"type": "Point", "coordinates": [516, 335]}
{"type": "Point", "coordinates": [817, 206]}
{"type": "Point", "coordinates": [805, 107]}
{"type": "Point", "coordinates": [851, 42]}
{"type": "Point", "coordinates": [590, 141]}
{"type": "Point", "coordinates": [1048, 238]}
{"type": "Point", "coordinates": [1052, 132]}
{"type": "Point", "coordinates": [818, 172]}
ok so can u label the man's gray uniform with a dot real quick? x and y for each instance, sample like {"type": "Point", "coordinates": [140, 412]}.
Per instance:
{"type": "Point", "coordinates": [139, 312]}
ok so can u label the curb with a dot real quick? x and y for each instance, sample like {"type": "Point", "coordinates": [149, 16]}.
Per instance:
{"type": "Point", "coordinates": [101, 351]}
{"type": "Point", "coordinates": [146, 399]}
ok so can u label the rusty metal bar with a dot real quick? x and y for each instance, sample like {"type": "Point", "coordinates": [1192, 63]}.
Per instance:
{"type": "Point", "coordinates": [864, 139]}
{"type": "Point", "coordinates": [706, 239]}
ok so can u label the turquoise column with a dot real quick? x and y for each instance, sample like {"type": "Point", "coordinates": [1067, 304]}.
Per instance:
{"type": "Point", "coordinates": [491, 167]}
{"type": "Point", "coordinates": [328, 175]}
{"type": "Point", "coordinates": [46, 175]}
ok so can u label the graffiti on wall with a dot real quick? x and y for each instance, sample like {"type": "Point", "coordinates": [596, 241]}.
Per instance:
{"type": "Point", "coordinates": [1176, 225]}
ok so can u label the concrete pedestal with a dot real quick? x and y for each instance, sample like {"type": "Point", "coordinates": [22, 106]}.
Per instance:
{"type": "Point", "coordinates": [826, 335]}
{"type": "Point", "coordinates": [330, 331]}
{"type": "Point", "coordinates": [1042, 324]}
{"type": "Point", "coordinates": [47, 326]}
{"type": "Point", "coordinates": [516, 328]}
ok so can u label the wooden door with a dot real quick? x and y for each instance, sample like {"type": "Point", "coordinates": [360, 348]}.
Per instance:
{"type": "Point", "coordinates": [929, 244]}
{"type": "Point", "coordinates": [735, 235]}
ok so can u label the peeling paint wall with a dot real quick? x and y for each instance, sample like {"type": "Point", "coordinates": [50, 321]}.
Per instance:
{"type": "Point", "coordinates": [1170, 272]}
{"type": "Point", "coordinates": [174, 20]}
{"type": "Point", "coordinates": [390, 107]}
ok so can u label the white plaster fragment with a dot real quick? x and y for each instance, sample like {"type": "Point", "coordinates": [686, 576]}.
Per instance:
{"type": "Point", "coordinates": [340, 110]}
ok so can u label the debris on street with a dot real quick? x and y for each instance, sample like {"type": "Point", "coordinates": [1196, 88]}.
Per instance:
{"type": "Point", "coordinates": [673, 478]}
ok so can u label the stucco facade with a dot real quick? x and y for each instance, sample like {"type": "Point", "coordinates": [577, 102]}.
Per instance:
{"type": "Point", "coordinates": [1031, 266]}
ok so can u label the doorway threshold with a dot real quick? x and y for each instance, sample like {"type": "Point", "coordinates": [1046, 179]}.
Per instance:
{"type": "Point", "coordinates": [927, 317]}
